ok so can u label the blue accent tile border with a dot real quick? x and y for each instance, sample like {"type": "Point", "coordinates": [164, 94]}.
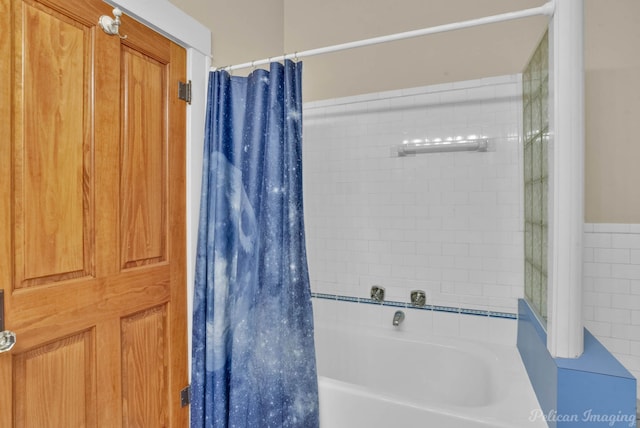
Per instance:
{"type": "Point", "coordinates": [450, 309]}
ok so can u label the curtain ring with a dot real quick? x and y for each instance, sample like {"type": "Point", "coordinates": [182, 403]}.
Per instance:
{"type": "Point", "coordinates": [295, 57]}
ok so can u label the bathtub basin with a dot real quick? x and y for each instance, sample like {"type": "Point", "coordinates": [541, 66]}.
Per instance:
{"type": "Point", "coordinates": [378, 378]}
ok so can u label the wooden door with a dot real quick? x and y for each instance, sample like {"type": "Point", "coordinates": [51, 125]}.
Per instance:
{"type": "Point", "coordinates": [92, 220]}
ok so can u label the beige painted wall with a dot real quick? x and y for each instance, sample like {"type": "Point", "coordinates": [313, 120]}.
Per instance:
{"type": "Point", "coordinates": [242, 30]}
{"type": "Point", "coordinates": [461, 55]}
{"type": "Point", "coordinates": [250, 29]}
{"type": "Point", "coordinates": [612, 63]}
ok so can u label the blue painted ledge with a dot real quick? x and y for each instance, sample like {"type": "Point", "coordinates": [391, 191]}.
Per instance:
{"type": "Point", "coordinates": [594, 390]}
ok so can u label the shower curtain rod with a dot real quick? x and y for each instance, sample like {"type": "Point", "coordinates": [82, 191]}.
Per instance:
{"type": "Point", "coordinates": [546, 9]}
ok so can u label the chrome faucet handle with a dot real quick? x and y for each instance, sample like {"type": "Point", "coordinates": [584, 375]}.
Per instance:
{"type": "Point", "coordinates": [377, 293]}
{"type": "Point", "coordinates": [418, 298]}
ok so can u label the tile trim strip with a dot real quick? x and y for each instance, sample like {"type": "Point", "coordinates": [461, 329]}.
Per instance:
{"type": "Point", "coordinates": [463, 311]}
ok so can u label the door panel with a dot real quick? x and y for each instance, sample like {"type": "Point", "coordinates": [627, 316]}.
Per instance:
{"type": "Point", "coordinates": [144, 365]}
{"type": "Point", "coordinates": [143, 190]}
{"type": "Point", "coordinates": [92, 220]}
{"type": "Point", "coordinates": [59, 375]}
{"type": "Point", "coordinates": [50, 143]}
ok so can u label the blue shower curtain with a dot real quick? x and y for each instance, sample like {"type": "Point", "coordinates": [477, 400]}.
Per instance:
{"type": "Point", "coordinates": [253, 351]}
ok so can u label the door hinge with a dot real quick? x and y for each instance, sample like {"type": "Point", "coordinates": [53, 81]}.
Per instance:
{"type": "Point", "coordinates": [184, 91]}
{"type": "Point", "coordinates": [185, 396]}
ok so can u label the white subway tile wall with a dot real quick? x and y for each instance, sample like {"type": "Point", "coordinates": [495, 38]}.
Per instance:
{"type": "Point", "coordinates": [611, 289]}
{"type": "Point", "coordinates": [446, 223]}
{"type": "Point", "coordinates": [418, 324]}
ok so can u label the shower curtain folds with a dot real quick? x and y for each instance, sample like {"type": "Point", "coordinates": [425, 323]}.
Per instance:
{"type": "Point", "coordinates": [253, 359]}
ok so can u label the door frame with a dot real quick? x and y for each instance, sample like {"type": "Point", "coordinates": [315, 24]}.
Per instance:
{"type": "Point", "coordinates": [172, 22]}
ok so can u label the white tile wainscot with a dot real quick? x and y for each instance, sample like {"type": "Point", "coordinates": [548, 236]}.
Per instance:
{"type": "Point", "coordinates": [612, 289]}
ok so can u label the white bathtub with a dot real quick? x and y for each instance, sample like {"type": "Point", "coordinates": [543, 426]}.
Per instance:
{"type": "Point", "coordinates": [382, 377]}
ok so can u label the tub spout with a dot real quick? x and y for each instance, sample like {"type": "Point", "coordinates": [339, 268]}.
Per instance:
{"type": "Point", "coordinates": [398, 317]}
